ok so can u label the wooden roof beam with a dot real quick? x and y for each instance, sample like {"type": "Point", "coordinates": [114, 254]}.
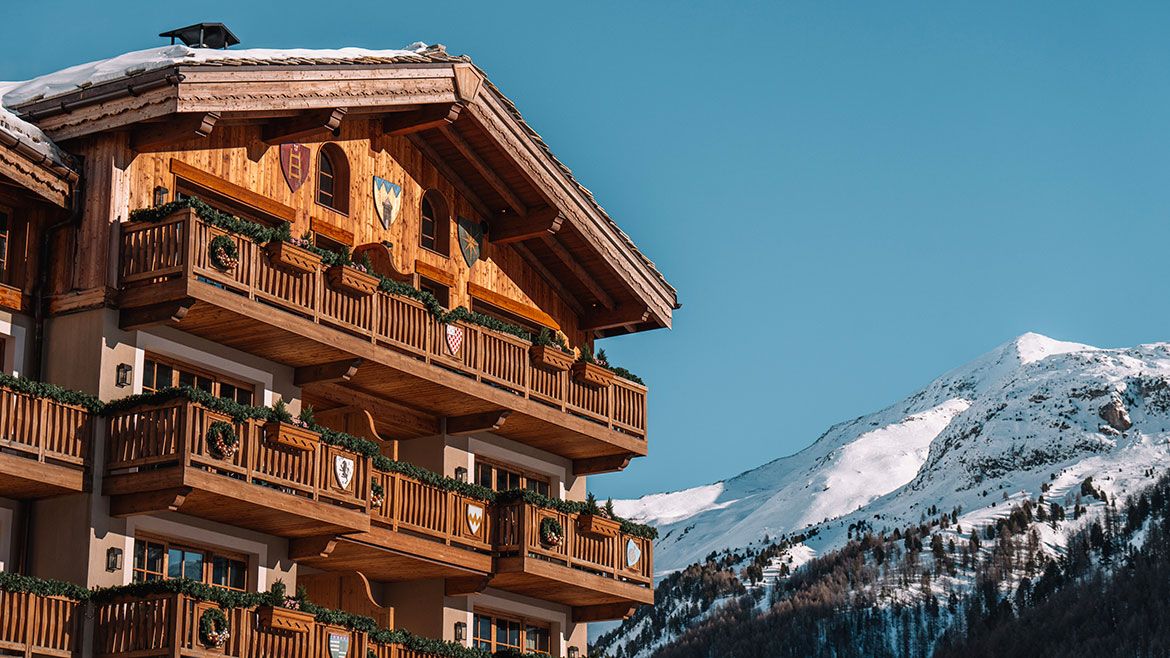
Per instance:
{"type": "Point", "coordinates": [578, 271]}
{"type": "Point", "coordinates": [485, 170]}
{"type": "Point", "coordinates": [182, 128]}
{"type": "Point", "coordinates": [623, 315]}
{"type": "Point", "coordinates": [335, 372]}
{"type": "Point", "coordinates": [488, 421]}
{"type": "Point", "coordinates": [427, 118]}
{"type": "Point", "coordinates": [509, 228]}
{"type": "Point", "coordinates": [304, 127]}
{"type": "Point", "coordinates": [549, 277]}
{"type": "Point", "coordinates": [437, 161]}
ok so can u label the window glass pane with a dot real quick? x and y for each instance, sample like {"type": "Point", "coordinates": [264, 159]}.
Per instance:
{"type": "Point", "coordinates": [243, 396]}
{"type": "Point", "coordinates": [483, 632]}
{"type": "Point", "coordinates": [507, 633]}
{"type": "Point", "coordinates": [175, 563]}
{"type": "Point", "coordinates": [193, 565]}
{"type": "Point", "coordinates": [203, 383]}
{"type": "Point", "coordinates": [536, 638]}
{"type": "Point", "coordinates": [148, 374]}
{"type": "Point", "coordinates": [483, 475]}
{"type": "Point", "coordinates": [186, 379]}
{"type": "Point", "coordinates": [538, 486]}
{"type": "Point", "coordinates": [154, 558]}
{"type": "Point", "coordinates": [239, 575]}
{"type": "Point", "coordinates": [164, 376]}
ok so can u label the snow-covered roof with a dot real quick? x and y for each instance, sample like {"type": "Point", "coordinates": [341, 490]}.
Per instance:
{"type": "Point", "coordinates": [34, 140]}
{"type": "Point", "coordinates": [152, 59]}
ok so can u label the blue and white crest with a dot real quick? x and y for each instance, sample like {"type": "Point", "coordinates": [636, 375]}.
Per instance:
{"type": "Point", "coordinates": [387, 200]}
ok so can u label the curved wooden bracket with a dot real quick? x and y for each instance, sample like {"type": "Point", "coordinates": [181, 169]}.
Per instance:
{"type": "Point", "coordinates": [304, 127]}
{"type": "Point", "coordinates": [466, 585]}
{"type": "Point", "coordinates": [488, 421]}
{"type": "Point", "coordinates": [303, 548]}
{"type": "Point", "coordinates": [336, 371]}
{"type": "Point", "coordinates": [606, 612]}
{"type": "Point", "coordinates": [606, 464]}
{"type": "Point", "coordinates": [382, 260]}
{"type": "Point", "coordinates": [163, 500]}
{"type": "Point", "coordinates": [176, 130]}
{"type": "Point", "coordinates": [171, 312]}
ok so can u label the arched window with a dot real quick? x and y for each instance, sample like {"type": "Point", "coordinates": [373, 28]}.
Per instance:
{"type": "Point", "coordinates": [333, 178]}
{"type": "Point", "coordinates": [435, 230]}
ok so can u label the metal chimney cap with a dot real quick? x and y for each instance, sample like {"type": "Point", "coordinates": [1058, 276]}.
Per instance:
{"type": "Point", "coordinates": [204, 35]}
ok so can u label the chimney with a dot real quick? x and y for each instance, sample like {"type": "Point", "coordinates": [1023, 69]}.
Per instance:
{"type": "Point", "coordinates": [203, 35]}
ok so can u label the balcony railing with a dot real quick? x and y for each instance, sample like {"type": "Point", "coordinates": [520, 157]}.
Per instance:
{"type": "Point", "coordinates": [153, 447]}
{"type": "Point", "coordinates": [177, 248]}
{"type": "Point", "coordinates": [433, 512]}
{"type": "Point", "coordinates": [42, 430]}
{"type": "Point", "coordinates": [35, 625]}
{"type": "Point", "coordinates": [620, 556]}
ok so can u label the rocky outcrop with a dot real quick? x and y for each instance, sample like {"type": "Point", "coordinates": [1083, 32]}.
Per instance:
{"type": "Point", "coordinates": [1115, 413]}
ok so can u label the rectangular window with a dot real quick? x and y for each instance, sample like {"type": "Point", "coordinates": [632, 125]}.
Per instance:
{"type": "Point", "coordinates": [440, 291]}
{"type": "Point", "coordinates": [493, 632]}
{"type": "Point", "coordinates": [503, 477]}
{"type": "Point", "coordinates": [158, 559]}
{"type": "Point", "coordinates": [159, 373]}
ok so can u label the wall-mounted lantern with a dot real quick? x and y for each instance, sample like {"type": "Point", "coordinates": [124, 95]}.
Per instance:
{"type": "Point", "coordinates": [123, 375]}
{"type": "Point", "coordinates": [461, 474]}
{"type": "Point", "coordinates": [574, 652]}
{"type": "Point", "coordinates": [113, 559]}
{"type": "Point", "coordinates": [460, 631]}
{"type": "Point", "coordinates": [160, 196]}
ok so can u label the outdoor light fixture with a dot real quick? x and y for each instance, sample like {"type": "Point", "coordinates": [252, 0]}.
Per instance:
{"type": "Point", "coordinates": [574, 652]}
{"type": "Point", "coordinates": [461, 474]}
{"type": "Point", "coordinates": [460, 631]}
{"type": "Point", "coordinates": [113, 559]}
{"type": "Point", "coordinates": [160, 195]}
{"type": "Point", "coordinates": [123, 376]}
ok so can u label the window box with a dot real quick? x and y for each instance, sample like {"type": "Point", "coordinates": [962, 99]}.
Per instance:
{"type": "Point", "coordinates": [292, 257]}
{"type": "Point", "coordinates": [351, 281]}
{"type": "Point", "coordinates": [596, 525]}
{"type": "Point", "coordinates": [592, 375]}
{"type": "Point", "coordinates": [550, 358]}
{"type": "Point", "coordinates": [285, 619]}
{"type": "Point", "coordinates": [290, 436]}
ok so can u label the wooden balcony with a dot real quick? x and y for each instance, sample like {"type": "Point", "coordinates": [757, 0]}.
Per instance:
{"type": "Point", "coordinates": [419, 531]}
{"type": "Point", "coordinates": [168, 625]}
{"type": "Point", "coordinates": [44, 446]}
{"type": "Point", "coordinates": [603, 578]}
{"type": "Point", "coordinates": [158, 459]}
{"type": "Point", "coordinates": [302, 321]}
{"type": "Point", "coordinates": [34, 625]}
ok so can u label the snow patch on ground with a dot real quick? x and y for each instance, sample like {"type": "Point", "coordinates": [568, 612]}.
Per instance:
{"type": "Point", "coordinates": [664, 508]}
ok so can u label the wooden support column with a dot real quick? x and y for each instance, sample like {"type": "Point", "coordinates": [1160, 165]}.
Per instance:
{"type": "Point", "coordinates": [427, 118]}
{"type": "Point", "coordinates": [509, 228]}
{"type": "Point", "coordinates": [484, 422]}
{"type": "Point", "coordinates": [335, 372]}
{"type": "Point", "coordinates": [181, 128]}
{"type": "Point", "coordinates": [305, 127]}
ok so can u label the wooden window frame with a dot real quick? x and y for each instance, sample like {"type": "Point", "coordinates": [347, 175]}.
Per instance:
{"type": "Point", "coordinates": [441, 211]}
{"type": "Point", "coordinates": [232, 198]}
{"type": "Point", "coordinates": [524, 622]}
{"type": "Point", "coordinates": [217, 379]}
{"type": "Point", "coordinates": [427, 284]}
{"type": "Point", "coordinates": [6, 231]}
{"type": "Point", "coordinates": [209, 554]}
{"type": "Point", "coordinates": [525, 474]}
{"type": "Point", "coordinates": [339, 162]}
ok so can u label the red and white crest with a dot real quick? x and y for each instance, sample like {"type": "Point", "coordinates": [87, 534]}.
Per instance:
{"type": "Point", "coordinates": [294, 164]}
{"type": "Point", "coordinates": [454, 338]}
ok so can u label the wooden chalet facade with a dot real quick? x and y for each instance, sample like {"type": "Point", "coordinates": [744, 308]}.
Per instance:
{"type": "Point", "coordinates": [239, 236]}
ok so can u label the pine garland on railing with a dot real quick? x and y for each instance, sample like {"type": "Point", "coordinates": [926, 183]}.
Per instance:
{"type": "Point", "coordinates": [433, 479]}
{"type": "Point", "coordinates": [226, 221]}
{"type": "Point", "coordinates": [573, 507]}
{"type": "Point", "coordinates": [16, 583]}
{"type": "Point", "coordinates": [51, 392]}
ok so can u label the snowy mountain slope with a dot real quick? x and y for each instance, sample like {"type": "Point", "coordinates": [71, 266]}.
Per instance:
{"type": "Point", "coordinates": [1029, 404]}
{"type": "Point", "coordinates": [1030, 420]}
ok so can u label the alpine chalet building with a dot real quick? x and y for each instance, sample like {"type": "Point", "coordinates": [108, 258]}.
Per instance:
{"type": "Point", "coordinates": [300, 359]}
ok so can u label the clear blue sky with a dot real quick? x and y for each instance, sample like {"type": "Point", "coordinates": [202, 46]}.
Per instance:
{"type": "Point", "coordinates": [850, 197]}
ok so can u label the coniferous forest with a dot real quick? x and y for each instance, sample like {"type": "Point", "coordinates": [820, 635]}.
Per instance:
{"type": "Point", "coordinates": [936, 589]}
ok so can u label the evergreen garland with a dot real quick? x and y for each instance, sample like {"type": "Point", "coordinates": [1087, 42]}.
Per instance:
{"type": "Point", "coordinates": [51, 392]}
{"type": "Point", "coordinates": [433, 479]}
{"type": "Point", "coordinates": [16, 583]}
{"type": "Point", "coordinates": [226, 221]}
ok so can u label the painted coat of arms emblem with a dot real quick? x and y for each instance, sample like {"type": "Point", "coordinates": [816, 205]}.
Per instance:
{"type": "Point", "coordinates": [474, 518]}
{"type": "Point", "coordinates": [470, 239]}
{"type": "Point", "coordinates": [343, 469]}
{"type": "Point", "coordinates": [454, 338]}
{"type": "Point", "coordinates": [633, 553]}
{"type": "Point", "coordinates": [338, 645]}
{"type": "Point", "coordinates": [294, 164]}
{"type": "Point", "coordinates": [387, 200]}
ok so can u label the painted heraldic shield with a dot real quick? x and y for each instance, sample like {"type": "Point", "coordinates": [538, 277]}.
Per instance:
{"type": "Point", "coordinates": [294, 164]}
{"type": "Point", "coordinates": [470, 239]}
{"type": "Point", "coordinates": [387, 200]}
